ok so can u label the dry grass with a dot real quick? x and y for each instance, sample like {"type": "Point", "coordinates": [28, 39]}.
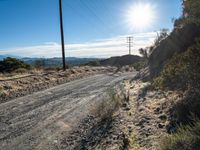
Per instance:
{"type": "Point", "coordinates": [19, 84]}
{"type": "Point", "coordinates": [186, 138]}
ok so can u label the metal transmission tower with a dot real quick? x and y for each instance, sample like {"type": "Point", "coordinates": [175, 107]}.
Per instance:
{"type": "Point", "coordinates": [130, 43]}
{"type": "Point", "coordinates": [62, 35]}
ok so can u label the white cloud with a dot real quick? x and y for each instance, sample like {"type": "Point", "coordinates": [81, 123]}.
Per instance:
{"type": "Point", "coordinates": [115, 46]}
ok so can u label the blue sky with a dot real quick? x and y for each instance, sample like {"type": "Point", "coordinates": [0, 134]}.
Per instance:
{"type": "Point", "coordinates": [93, 28]}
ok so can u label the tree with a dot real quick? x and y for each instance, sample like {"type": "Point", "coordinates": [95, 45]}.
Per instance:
{"type": "Point", "coordinates": [162, 35]}
{"type": "Point", "coordinates": [40, 63]}
{"type": "Point", "coordinates": [143, 52]}
{"type": "Point", "coordinates": [11, 64]}
{"type": "Point", "coordinates": [191, 13]}
{"type": "Point", "coordinates": [150, 49]}
{"type": "Point", "coordinates": [191, 8]}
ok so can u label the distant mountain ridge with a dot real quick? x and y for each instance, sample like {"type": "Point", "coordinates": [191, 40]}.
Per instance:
{"type": "Point", "coordinates": [56, 61]}
{"type": "Point", "coordinates": [5, 56]}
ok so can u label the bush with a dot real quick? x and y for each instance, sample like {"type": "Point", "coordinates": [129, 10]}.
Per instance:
{"type": "Point", "coordinates": [93, 63]}
{"type": "Point", "coordinates": [12, 64]}
{"type": "Point", "coordinates": [40, 63]}
{"type": "Point", "coordinates": [140, 65]}
{"type": "Point", "coordinates": [190, 104]}
{"type": "Point", "coordinates": [192, 9]}
{"type": "Point", "coordinates": [186, 138]}
{"type": "Point", "coordinates": [191, 13]}
{"type": "Point", "coordinates": [20, 70]}
{"type": "Point", "coordinates": [182, 71]}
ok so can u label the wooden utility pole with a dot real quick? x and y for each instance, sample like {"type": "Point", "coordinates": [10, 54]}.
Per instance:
{"type": "Point", "coordinates": [130, 43]}
{"type": "Point", "coordinates": [62, 35]}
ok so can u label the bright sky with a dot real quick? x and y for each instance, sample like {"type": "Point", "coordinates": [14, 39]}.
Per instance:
{"type": "Point", "coordinates": [93, 28]}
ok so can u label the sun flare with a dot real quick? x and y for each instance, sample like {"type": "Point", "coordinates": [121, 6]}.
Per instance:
{"type": "Point", "coordinates": [140, 16]}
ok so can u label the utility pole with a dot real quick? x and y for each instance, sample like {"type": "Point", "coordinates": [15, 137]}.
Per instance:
{"type": "Point", "coordinates": [130, 43]}
{"type": "Point", "coordinates": [62, 35]}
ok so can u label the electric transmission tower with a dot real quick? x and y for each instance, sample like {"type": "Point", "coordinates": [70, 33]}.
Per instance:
{"type": "Point", "coordinates": [62, 35]}
{"type": "Point", "coordinates": [130, 43]}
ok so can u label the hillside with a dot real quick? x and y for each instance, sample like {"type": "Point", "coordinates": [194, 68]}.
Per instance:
{"type": "Point", "coordinates": [52, 62]}
{"type": "Point", "coordinates": [177, 42]}
{"type": "Point", "coordinates": [167, 108]}
{"type": "Point", "coordinates": [121, 60]}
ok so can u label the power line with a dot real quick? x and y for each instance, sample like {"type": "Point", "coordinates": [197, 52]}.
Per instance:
{"type": "Point", "coordinates": [130, 43]}
{"type": "Point", "coordinates": [84, 17]}
{"type": "Point", "coordinates": [94, 14]}
{"type": "Point", "coordinates": [86, 5]}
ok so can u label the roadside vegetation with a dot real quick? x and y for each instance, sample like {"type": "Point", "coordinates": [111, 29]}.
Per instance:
{"type": "Point", "coordinates": [182, 73]}
{"type": "Point", "coordinates": [174, 67]}
{"type": "Point", "coordinates": [12, 66]}
{"type": "Point", "coordinates": [140, 65]}
{"type": "Point", "coordinates": [9, 65]}
{"type": "Point", "coordinates": [186, 138]}
{"type": "Point", "coordinates": [146, 52]}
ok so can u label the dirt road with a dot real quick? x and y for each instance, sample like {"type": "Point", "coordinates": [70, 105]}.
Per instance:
{"type": "Point", "coordinates": [38, 120]}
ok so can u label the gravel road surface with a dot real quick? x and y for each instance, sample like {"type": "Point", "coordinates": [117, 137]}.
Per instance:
{"type": "Point", "coordinates": [36, 121]}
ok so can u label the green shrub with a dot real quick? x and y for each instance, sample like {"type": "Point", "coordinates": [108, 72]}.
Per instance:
{"type": "Point", "coordinates": [192, 8]}
{"type": "Point", "coordinates": [12, 64]}
{"type": "Point", "coordinates": [140, 65]}
{"type": "Point", "coordinates": [182, 71]}
{"type": "Point", "coordinates": [191, 13]}
{"type": "Point", "coordinates": [186, 138]}
{"type": "Point", "coordinates": [93, 63]}
{"type": "Point", "coordinates": [190, 104]}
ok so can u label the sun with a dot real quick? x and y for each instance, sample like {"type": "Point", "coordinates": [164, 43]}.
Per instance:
{"type": "Point", "coordinates": [140, 16]}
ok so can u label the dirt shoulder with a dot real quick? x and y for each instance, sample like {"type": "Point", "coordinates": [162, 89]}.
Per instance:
{"type": "Point", "coordinates": [139, 124]}
{"type": "Point", "coordinates": [144, 119]}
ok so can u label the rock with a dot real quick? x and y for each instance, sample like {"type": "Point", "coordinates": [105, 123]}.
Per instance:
{"type": "Point", "coordinates": [7, 87]}
{"type": "Point", "coordinates": [160, 125]}
{"type": "Point", "coordinates": [141, 122]}
{"type": "Point", "coordinates": [127, 108]}
{"type": "Point", "coordinates": [157, 110]}
{"type": "Point", "coordinates": [124, 105]}
{"type": "Point", "coordinates": [141, 109]}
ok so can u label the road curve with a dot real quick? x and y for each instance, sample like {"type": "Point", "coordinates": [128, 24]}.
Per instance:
{"type": "Point", "coordinates": [36, 120]}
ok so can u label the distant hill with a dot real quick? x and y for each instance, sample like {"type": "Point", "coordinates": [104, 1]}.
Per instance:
{"type": "Point", "coordinates": [50, 62]}
{"type": "Point", "coordinates": [121, 60]}
{"type": "Point", "coordinates": [5, 56]}
{"type": "Point", "coordinates": [57, 61]}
